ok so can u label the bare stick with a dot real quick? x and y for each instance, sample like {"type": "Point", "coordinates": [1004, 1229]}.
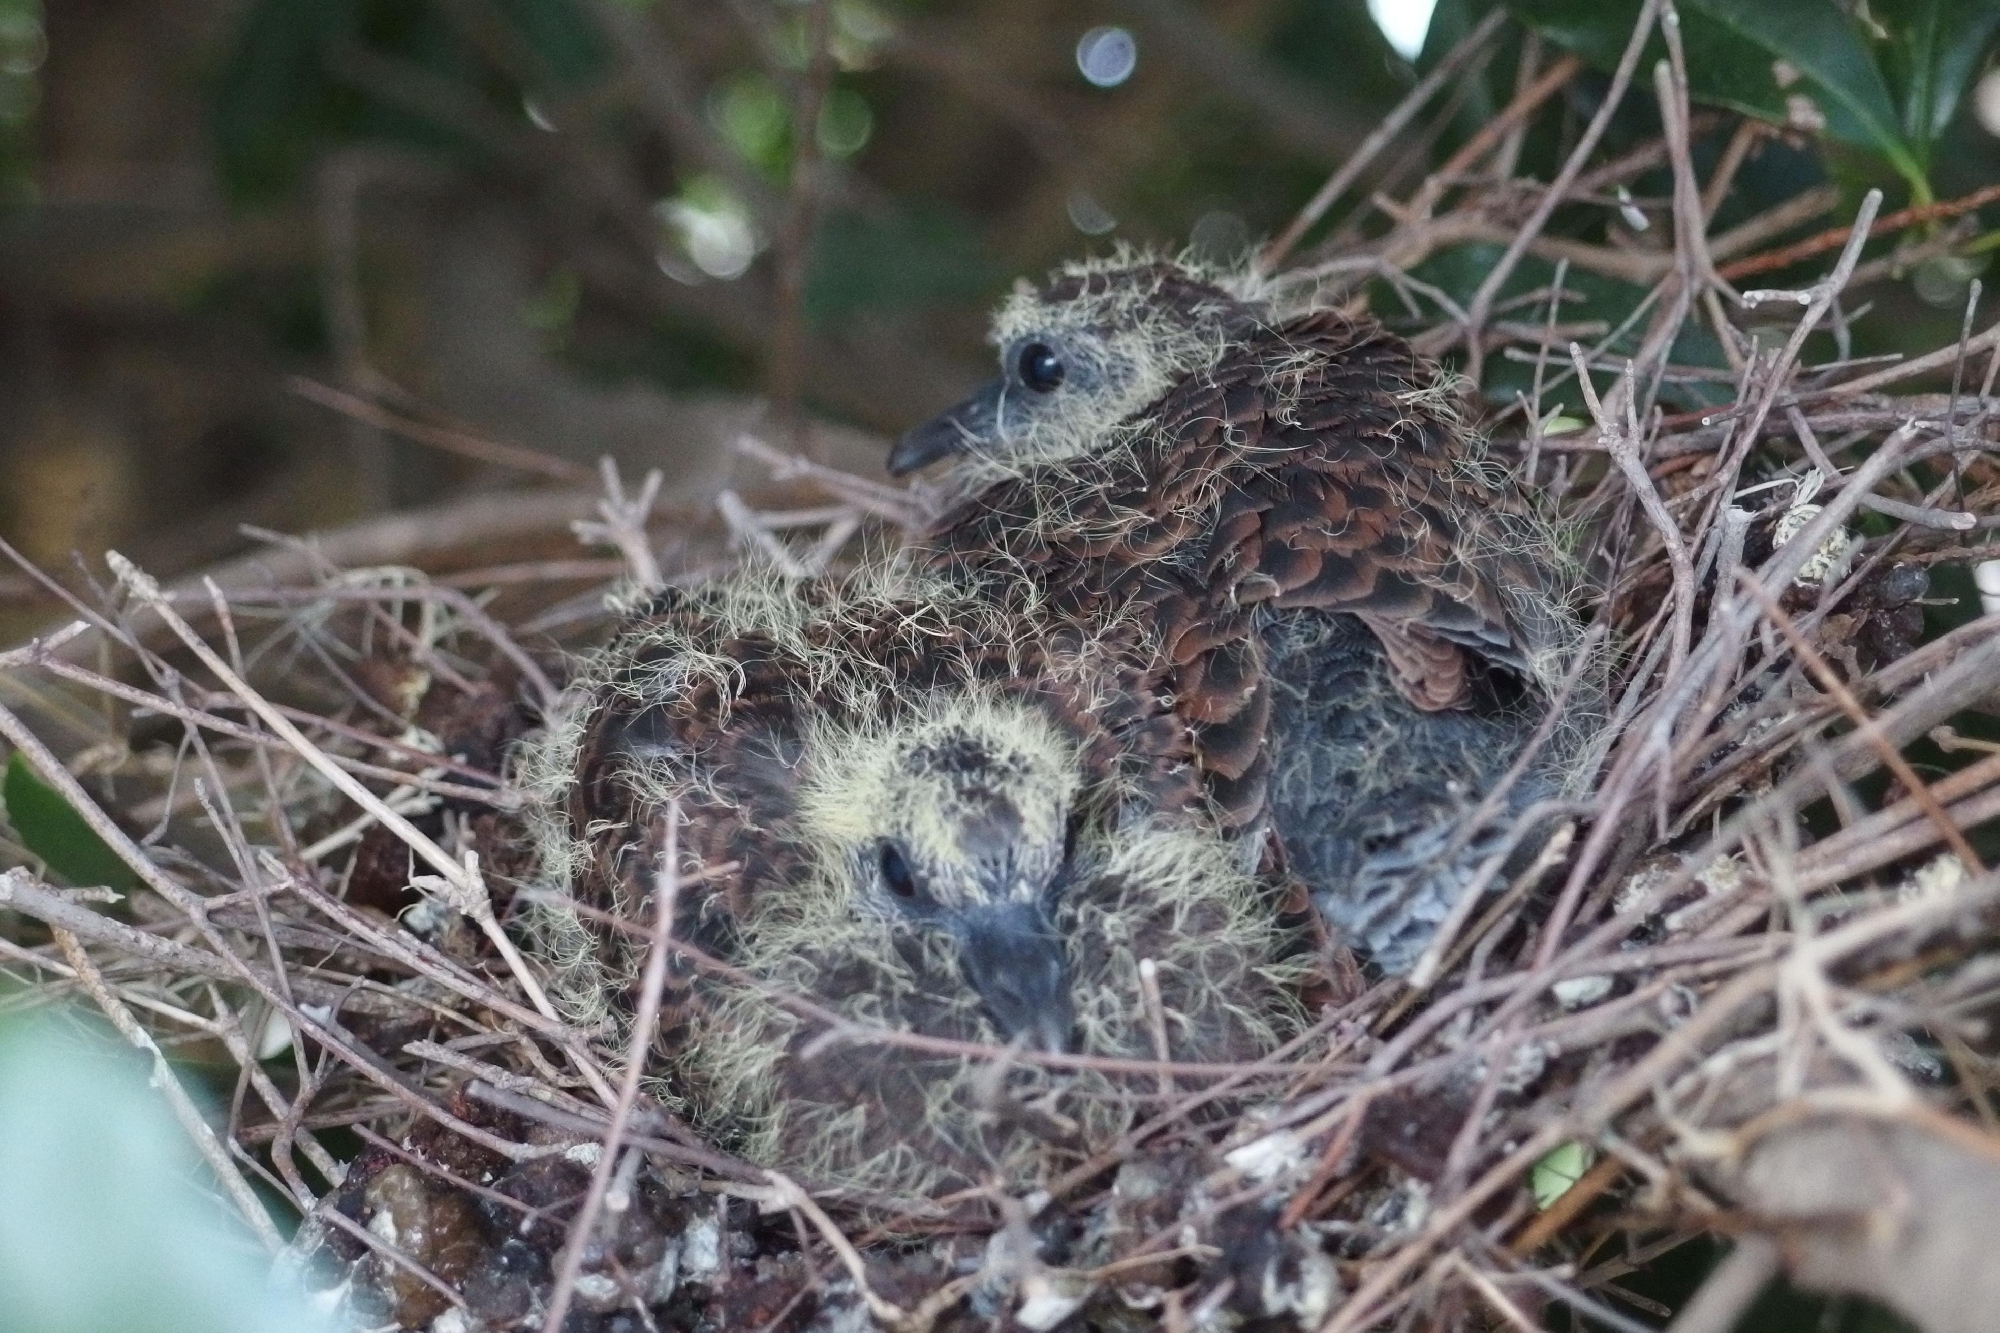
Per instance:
{"type": "Point", "coordinates": [1621, 442]}
{"type": "Point", "coordinates": [1502, 128]}
{"type": "Point", "coordinates": [1832, 238]}
{"type": "Point", "coordinates": [1748, 131]}
{"type": "Point", "coordinates": [788, 345]}
{"type": "Point", "coordinates": [1730, 1288]}
{"type": "Point", "coordinates": [1866, 726]}
{"type": "Point", "coordinates": [1482, 301]}
{"type": "Point", "coordinates": [1156, 1019]}
{"type": "Point", "coordinates": [1379, 138]}
{"type": "Point", "coordinates": [460, 442]}
{"type": "Point", "coordinates": [1922, 365]}
{"type": "Point", "coordinates": [468, 892]}
{"type": "Point", "coordinates": [38, 655]}
{"type": "Point", "coordinates": [195, 909]}
{"type": "Point", "coordinates": [1670, 84]}
{"type": "Point", "coordinates": [20, 892]}
{"type": "Point", "coordinates": [341, 177]}
{"type": "Point", "coordinates": [1496, 1298]}
{"type": "Point", "coordinates": [883, 501]}
{"type": "Point", "coordinates": [785, 1193]}
{"type": "Point", "coordinates": [147, 591]}
{"type": "Point", "coordinates": [749, 531]}
{"type": "Point", "coordinates": [623, 523]}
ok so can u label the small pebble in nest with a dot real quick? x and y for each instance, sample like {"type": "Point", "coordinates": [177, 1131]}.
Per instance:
{"type": "Point", "coordinates": [1365, 619]}
{"type": "Point", "coordinates": [907, 820]}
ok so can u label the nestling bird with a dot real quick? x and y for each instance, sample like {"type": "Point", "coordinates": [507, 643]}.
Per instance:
{"type": "Point", "coordinates": [906, 814]}
{"type": "Point", "coordinates": [1363, 622]}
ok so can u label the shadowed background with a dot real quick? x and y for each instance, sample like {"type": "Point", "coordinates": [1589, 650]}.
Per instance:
{"type": "Point", "coordinates": [572, 225]}
{"type": "Point", "coordinates": [595, 227]}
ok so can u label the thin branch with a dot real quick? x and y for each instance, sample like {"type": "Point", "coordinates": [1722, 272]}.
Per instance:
{"type": "Point", "coordinates": [622, 523]}
{"type": "Point", "coordinates": [1834, 238]}
{"type": "Point", "coordinates": [1391, 125]}
{"type": "Point", "coordinates": [1621, 442]}
{"type": "Point", "coordinates": [795, 231]}
{"type": "Point", "coordinates": [1728, 1292]}
{"type": "Point", "coordinates": [185, 1111]}
{"type": "Point", "coordinates": [1481, 307]}
{"type": "Point", "coordinates": [463, 443]}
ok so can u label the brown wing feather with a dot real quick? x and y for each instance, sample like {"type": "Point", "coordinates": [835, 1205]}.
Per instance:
{"type": "Point", "coordinates": [1308, 469]}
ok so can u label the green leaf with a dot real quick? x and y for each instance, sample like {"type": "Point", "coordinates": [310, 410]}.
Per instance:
{"type": "Point", "coordinates": [279, 103]}
{"type": "Point", "coordinates": [1931, 51]}
{"type": "Point", "coordinates": [1733, 49]}
{"type": "Point", "coordinates": [568, 49]}
{"type": "Point", "coordinates": [52, 829]}
{"type": "Point", "coordinates": [111, 1221]}
{"type": "Point", "coordinates": [281, 100]}
{"type": "Point", "coordinates": [1560, 1168]}
{"type": "Point", "coordinates": [274, 101]}
{"type": "Point", "coordinates": [1822, 43]}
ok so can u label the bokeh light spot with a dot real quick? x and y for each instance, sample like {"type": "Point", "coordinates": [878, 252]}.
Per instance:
{"type": "Point", "coordinates": [1088, 216]}
{"type": "Point", "coordinates": [1986, 101]}
{"type": "Point", "coordinates": [1107, 56]}
{"type": "Point", "coordinates": [1220, 237]}
{"type": "Point", "coordinates": [1404, 23]}
{"type": "Point", "coordinates": [845, 122]}
{"type": "Point", "coordinates": [713, 228]}
{"type": "Point", "coordinates": [23, 44]}
{"type": "Point", "coordinates": [754, 117]}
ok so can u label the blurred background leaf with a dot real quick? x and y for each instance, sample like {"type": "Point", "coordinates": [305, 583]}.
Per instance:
{"type": "Point", "coordinates": [106, 1223]}
{"type": "Point", "coordinates": [563, 223]}
{"type": "Point", "coordinates": [1930, 52]}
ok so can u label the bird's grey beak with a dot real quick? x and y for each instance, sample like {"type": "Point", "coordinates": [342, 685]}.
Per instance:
{"type": "Point", "coordinates": [974, 421]}
{"type": "Point", "coordinates": [1013, 958]}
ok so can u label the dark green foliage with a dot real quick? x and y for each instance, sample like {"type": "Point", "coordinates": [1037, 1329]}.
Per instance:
{"type": "Point", "coordinates": [1891, 88]}
{"type": "Point", "coordinates": [52, 829]}
{"type": "Point", "coordinates": [1933, 51]}
{"type": "Point", "coordinates": [23, 49]}
{"type": "Point", "coordinates": [917, 257]}
{"type": "Point", "coordinates": [294, 87]}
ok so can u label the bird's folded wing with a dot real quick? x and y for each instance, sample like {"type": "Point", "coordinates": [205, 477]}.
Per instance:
{"type": "Point", "coordinates": [1316, 468]}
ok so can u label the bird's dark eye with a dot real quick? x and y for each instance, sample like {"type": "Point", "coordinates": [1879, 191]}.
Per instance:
{"type": "Point", "coordinates": [1041, 369]}
{"type": "Point", "coordinates": [896, 872]}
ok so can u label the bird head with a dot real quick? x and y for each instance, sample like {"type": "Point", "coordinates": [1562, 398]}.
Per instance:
{"type": "Point", "coordinates": [959, 823]}
{"type": "Point", "coordinates": [1078, 355]}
